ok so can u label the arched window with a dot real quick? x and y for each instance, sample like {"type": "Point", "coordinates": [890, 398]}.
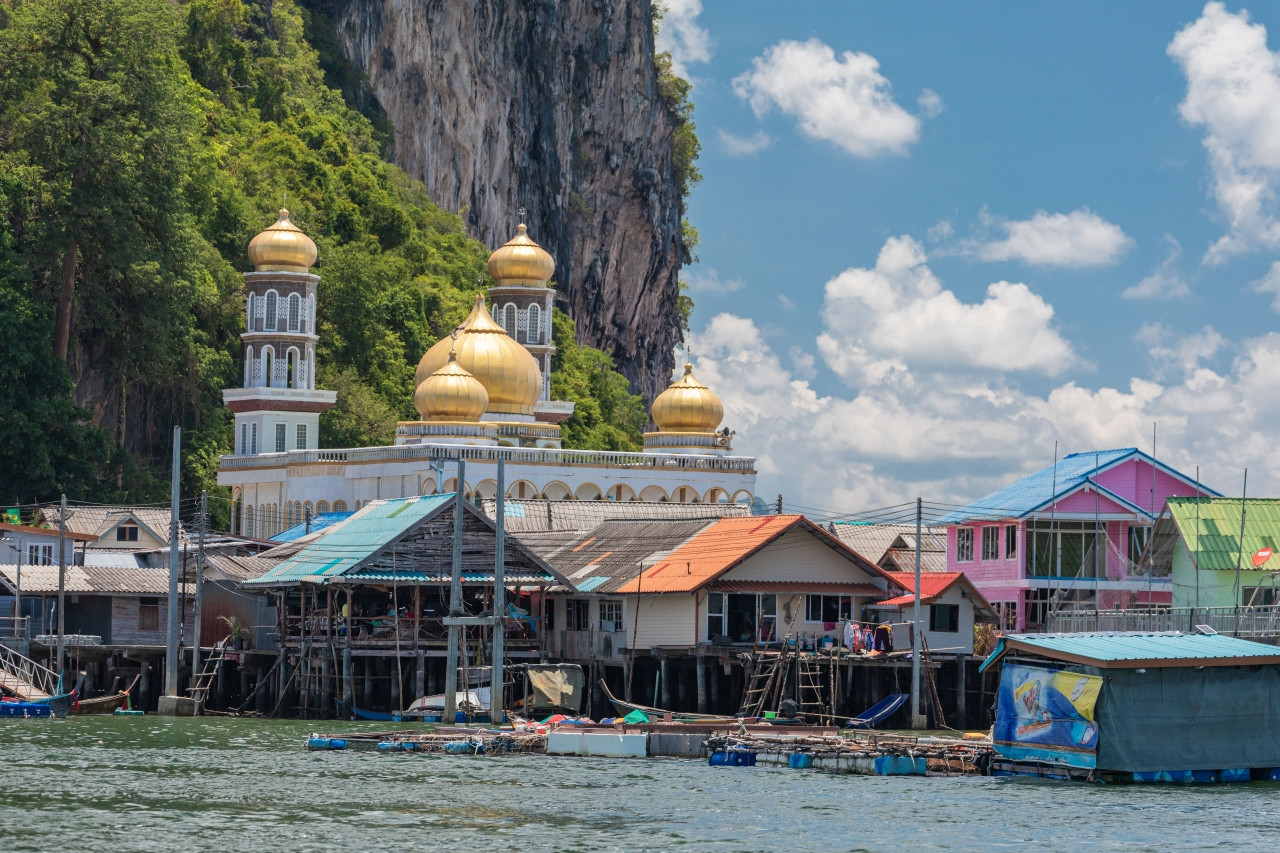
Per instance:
{"type": "Point", "coordinates": [248, 521]}
{"type": "Point", "coordinates": [322, 507]}
{"type": "Point", "coordinates": [339, 506]}
{"type": "Point", "coordinates": [291, 381]}
{"type": "Point", "coordinates": [268, 366]}
{"type": "Point", "coordinates": [253, 303]}
{"type": "Point", "coordinates": [295, 312]}
{"type": "Point", "coordinates": [306, 315]}
{"type": "Point", "coordinates": [509, 319]}
{"type": "Point", "coordinates": [534, 333]}
{"type": "Point", "coordinates": [271, 310]}
{"type": "Point", "coordinates": [248, 367]}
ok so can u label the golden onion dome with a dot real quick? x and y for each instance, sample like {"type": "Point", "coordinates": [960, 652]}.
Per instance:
{"type": "Point", "coordinates": [687, 406]}
{"type": "Point", "coordinates": [282, 247]}
{"type": "Point", "coordinates": [451, 394]}
{"type": "Point", "coordinates": [508, 372]}
{"type": "Point", "coordinates": [521, 262]}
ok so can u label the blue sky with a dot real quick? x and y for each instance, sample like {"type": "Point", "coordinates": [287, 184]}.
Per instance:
{"type": "Point", "coordinates": [939, 237]}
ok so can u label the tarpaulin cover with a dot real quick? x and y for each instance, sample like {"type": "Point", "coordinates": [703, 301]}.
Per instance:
{"type": "Point", "coordinates": [1213, 718]}
{"type": "Point", "coordinates": [557, 686]}
{"type": "Point", "coordinates": [1047, 715]}
{"type": "Point", "coordinates": [636, 718]}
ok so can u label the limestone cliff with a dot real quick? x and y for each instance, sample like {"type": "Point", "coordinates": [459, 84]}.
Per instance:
{"type": "Point", "coordinates": [553, 107]}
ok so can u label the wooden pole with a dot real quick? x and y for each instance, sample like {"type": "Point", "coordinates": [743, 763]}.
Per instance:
{"type": "Point", "coordinates": [171, 655]}
{"type": "Point", "coordinates": [455, 601]}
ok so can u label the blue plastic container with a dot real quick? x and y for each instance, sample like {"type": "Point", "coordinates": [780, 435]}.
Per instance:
{"type": "Point", "coordinates": [800, 761]}
{"type": "Point", "coordinates": [326, 743]}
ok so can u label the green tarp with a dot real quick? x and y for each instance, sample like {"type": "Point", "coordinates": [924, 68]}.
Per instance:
{"type": "Point", "coordinates": [1183, 718]}
{"type": "Point", "coordinates": [636, 718]}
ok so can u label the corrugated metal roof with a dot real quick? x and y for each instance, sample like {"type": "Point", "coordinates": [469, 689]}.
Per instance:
{"type": "Point", "coordinates": [93, 580]}
{"type": "Point", "coordinates": [1053, 483]}
{"type": "Point", "coordinates": [1130, 650]}
{"type": "Point", "coordinates": [1218, 542]}
{"type": "Point", "coordinates": [343, 547]}
{"type": "Point", "coordinates": [318, 523]}
{"type": "Point", "coordinates": [529, 516]}
{"type": "Point", "coordinates": [609, 555]}
{"type": "Point", "coordinates": [442, 577]}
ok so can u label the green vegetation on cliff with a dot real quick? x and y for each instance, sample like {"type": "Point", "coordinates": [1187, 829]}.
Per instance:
{"type": "Point", "coordinates": [142, 145]}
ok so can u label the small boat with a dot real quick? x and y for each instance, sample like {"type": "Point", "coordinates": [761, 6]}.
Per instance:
{"type": "Point", "coordinates": [475, 700]}
{"type": "Point", "coordinates": [103, 704]}
{"type": "Point", "coordinates": [624, 708]}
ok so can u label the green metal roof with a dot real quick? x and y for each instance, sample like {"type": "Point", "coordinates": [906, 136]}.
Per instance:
{"type": "Point", "coordinates": [346, 545]}
{"type": "Point", "coordinates": [1216, 543]}
{"type": "Point", "coordinates": [1130, 650]}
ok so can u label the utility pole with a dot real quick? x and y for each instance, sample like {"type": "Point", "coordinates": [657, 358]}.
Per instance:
{"type": "Point", "coordinates": [1239, 555]}
{"type": "Point", "coordinates": [455, 602]}
{"type": "Point", "coordinates": [204, 522]}
{"type": "Point", "coordinates": [778, 509]}
{"type": "Point", "coordinates": [498, 682]}
{"type": "Point", "coordinates": [171, 655]}
{"type": "Point", "coordinates": [62, 582]}
{"type": "Point", "coordinates": [917, 721]}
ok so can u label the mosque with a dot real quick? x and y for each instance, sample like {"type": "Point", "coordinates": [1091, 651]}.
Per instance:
{"type": "Point", "coordinates": [482, 394]}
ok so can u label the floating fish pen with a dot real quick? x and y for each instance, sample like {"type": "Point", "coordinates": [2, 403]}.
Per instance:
{"type": "Point", "coordinates": [439, 742]}
{"type": "Point", "coordinates": [880, 755]}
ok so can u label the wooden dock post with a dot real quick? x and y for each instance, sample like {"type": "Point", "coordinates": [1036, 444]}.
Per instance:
{"type": "Point", "coordinates": [702, 684]}
{"type": "Point", "coordinates": [348, 687]}
{"type": "Point", "coordinates": [664, 677]}
{"type": "Point", "coordinates": [962, 718]}
{"type": "Point", "coordinates": [420, 675]}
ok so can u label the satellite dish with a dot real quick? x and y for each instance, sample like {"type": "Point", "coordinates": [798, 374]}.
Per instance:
{"type": "Point", "coordinates": [1260, 557]}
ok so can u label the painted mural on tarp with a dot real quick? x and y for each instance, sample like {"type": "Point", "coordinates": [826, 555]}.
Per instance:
{"type": "Point", "coordinates": [1047, 715]}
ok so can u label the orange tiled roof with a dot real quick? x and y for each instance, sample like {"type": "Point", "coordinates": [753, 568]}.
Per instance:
{"type": "Point", "coordinates": [932, 585]}
{"type": "Point", "coordinates": [720, 547]}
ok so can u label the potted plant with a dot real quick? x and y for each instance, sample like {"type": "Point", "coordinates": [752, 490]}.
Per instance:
{"type": "Point", "coordinates": [239, 633]}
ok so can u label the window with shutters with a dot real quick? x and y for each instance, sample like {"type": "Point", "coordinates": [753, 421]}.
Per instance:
{"type": "Point", "coordinates": [244, 439]}
{"type": "Point", "coordinates": [253, 439]}
{"type": "Point", "coordinates": [280, 433]}
{"type": "Point", "coordinates": [271, 310]}
{"type": "Point", "coordinates": [148, 614]}
{"type": "Point", "coordinates": [534, 333]}
{"type": "Point", "coordinates": [509, 319]}
{"type": "Point", "coordinates": [302, 437]}
{"type": "Point", "coordinates": [295, 312]}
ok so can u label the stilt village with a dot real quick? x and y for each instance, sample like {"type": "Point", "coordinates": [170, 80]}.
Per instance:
{"type": "Point", "coordinates": [486, 590]}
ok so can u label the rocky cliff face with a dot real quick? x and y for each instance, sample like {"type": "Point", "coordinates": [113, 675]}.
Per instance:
{"type": "Point", "coordinates": [553, 107]}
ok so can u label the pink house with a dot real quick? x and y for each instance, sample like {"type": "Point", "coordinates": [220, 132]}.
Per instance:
{"type": "Point", "coordinates": [1071, 535]}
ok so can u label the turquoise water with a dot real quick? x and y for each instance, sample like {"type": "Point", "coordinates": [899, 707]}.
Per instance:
{"type": "Point", "coordinates": [210, 784]}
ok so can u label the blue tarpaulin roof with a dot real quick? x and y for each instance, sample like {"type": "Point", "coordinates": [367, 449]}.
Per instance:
{"type": "Point", "coordinates": [318, 523]}
{"type": "Point", "coordinates": [1130, 650]}
{"type": "Point", "coordinates": [1053, 483]}
{"type": "Point", "coordinates": [344, 548]}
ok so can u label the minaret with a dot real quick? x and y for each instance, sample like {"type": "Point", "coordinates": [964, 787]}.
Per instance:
{"type": "Point", "coordinates": [278, 409]}
{"type": "Point", "coordinates": [522, 303]}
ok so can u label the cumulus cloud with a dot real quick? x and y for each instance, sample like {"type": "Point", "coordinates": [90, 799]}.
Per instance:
{"type": "Point", "coordinates": [705, 280]}
{"type": "Point", "coordinates": [1270, 283]}
{"type": "Point", "coordinates": [1233, 86]}
{"type": "Point", "coordinates": [1081, 238]}
{"type": "Point", "coordinates": [952, 429]}
{"type": "Point", "coordinates": [741, 146]}
{"type": "Point", "coordinates": [930, 103]}
{"type": "Point", "coordinates": [1165, 282]}
{"type": "Point", "coordinates": [680, 35]}
{"type": "Point", "coordinates": [880, 320]}
{"type": "Point", "coordinates": [844, 100]}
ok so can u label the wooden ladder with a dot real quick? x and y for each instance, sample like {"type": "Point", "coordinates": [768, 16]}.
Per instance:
{"type": "Point", "coordinates": [809, 685]}
{"type": "Point", "coordinates": [203, 682]}
{"type": "Point", "coordinates": [764, 671]}
{"type": "Point", "coordinates": [931, 685]}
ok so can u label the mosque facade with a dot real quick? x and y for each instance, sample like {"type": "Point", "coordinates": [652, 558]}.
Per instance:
{"type": "Point", "coordinates": [482, 394]}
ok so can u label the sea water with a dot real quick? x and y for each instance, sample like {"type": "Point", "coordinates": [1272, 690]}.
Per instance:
{"type": "Point", "coordinates": [217, 784]}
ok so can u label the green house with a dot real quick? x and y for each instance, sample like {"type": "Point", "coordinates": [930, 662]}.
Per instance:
{"type": "Point", "coordinates": [1199, 543]}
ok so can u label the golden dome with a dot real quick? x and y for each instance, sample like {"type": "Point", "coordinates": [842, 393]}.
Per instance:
{"type": "Point", "coordinates": [508, 372]}
{"type": "Point", "coordinates": [282, 247]}
{"type": "Point", "coordinates": [521, 262]}
{"type": "Point", "coordinates": [687, 406]}
{"type": "Point", "coordinates": [451, 394]}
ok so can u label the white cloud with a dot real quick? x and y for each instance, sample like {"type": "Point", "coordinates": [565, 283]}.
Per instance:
{"type": "Point", "coordinates": [680, 35]}
{"type": "Point", "coordinates": [705, 280]}
{"type": "Point", "coordinates": [1233, 86]}
{"type": "Point", "coordinates": [939, 232]}
{"type": "Point", "coordinates": [785, 302]}
{"type": "Point", "coordinates": [952, 429]}
{"type": "Point", "coordinates": [1270, 283]}
{"type": "Point", "coordinates": [741, 146]}
{"type": "Point", "coordinates": [1165, 282]}
{"type": "Point", "coordinates": [930, 103]}
{"type": "Point", "coordinates": [880, 320]}
{"type": "Point", "coordinates": [1077, 239]}
{"type": "Point", "coordinates": [844, 100]}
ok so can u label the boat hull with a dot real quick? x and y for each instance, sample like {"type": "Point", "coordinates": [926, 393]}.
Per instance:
{"type": "Point", "coordinates": [25, 709]}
